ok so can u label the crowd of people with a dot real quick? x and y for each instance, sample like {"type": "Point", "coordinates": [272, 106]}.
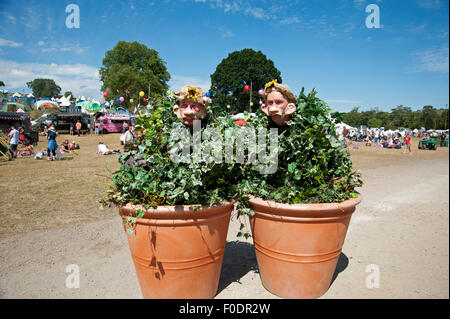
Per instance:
{"type": "Point", "coordinates": [20, 145]}
{"type": "Point", "coordinates": [388, 139]}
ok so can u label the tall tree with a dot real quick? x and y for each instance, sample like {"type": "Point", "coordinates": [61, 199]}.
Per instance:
{"type": "Point", "coordinates": [44, 88]}
{"type": "Point", "coordinates": [352, 118]}
{"type": "Point", "coordinates": [242, 68]}
{"type": "Point", "coordinates": [2, 83]}
{"type": "Point", "coordinates": [131, 67]}
{"type": "Point", "coordinates": [429, 117]}
{"type": "Point", "coordinates": [374, 123]}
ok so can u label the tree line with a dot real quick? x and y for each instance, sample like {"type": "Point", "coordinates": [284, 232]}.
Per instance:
{"type": "Point", "coordinates": [399, 117]}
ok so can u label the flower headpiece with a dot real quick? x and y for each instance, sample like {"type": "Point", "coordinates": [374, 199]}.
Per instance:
{"type": "Point", "coordinates": [282, 88]}
{"type": "Point", "coordinates": [271, 83]}
{"type": "Point", "coordinates": [192, 93]}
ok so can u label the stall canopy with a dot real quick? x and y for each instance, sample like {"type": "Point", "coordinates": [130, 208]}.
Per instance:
{"type": "Point", "coordinates": [89, 106]}
{"type": "Point", "coordinates": [14, 107]}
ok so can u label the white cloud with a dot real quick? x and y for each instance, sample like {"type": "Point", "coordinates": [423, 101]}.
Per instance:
{"type": "Point", "coordinates": [58, 47]}
{"type": "Point", "coordinates": [12, 19]}
{"type": "Point", "coordinates": [9, 43]}
{"type": "Point", "coordinates": [81, 79]}
{"type": "Point", "coordinates": [225, 32]}
{"type": "Point", "coordinates": [289, 20]}
{"type": "Point", "coordinates": [433, 60]}
{"type": "Point", "coordinates": [255, 12]}
{"type": "Point", "coordinates": [358, 3]}
{"type": "Point", "coordinates": [177, 81]}
{"type": "Point", "coordinates": [430, 4]}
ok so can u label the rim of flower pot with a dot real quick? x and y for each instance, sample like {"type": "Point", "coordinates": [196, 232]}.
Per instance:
{"type": "Point", "coordinates": [175, 211]}
{"type": "Point", "coordinates": [305, 209]}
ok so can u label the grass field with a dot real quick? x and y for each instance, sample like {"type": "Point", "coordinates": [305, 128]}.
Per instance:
{"type": "Point", "coordinates": [38, 194]}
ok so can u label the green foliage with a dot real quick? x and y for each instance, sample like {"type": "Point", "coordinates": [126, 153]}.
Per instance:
{"type": "Point", "coordinates": [400, 116]}
{"type": "Point", "coordinates": [44, 88]}
{"type": "Point", "coordinates": [374, 123]}
{"type": "Point", "coordinates": [312, 166]}
{"type": "Point", "coordinates": [352, 118]}
{"type": "Point", "coordinates": [237, 70]}
{"type": "Point", "coordinates": [133, 66]}
{"type": "Point", "coordinates": [150, 176]}
{"type": "Point", "coordinates": [2, 83]}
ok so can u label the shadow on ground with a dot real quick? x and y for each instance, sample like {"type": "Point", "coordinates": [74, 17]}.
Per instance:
{"type": "Point", "coordinates": [238, 260]}
{"type": "Point", "coordinates": [340, 267]}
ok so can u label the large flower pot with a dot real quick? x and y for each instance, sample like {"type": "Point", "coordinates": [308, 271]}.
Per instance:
{"type": "Point", "coordinates": [297, 246]}
{"type": "Point", "coordinates": [177, 252]}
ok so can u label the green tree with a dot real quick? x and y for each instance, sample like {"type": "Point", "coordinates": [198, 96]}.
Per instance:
{"type": "Point", "coordinates": [67, 93]}
{"type": "Point", "coordinates": [399, 116]}
{"type": "Point", "coordinates": [2, 83]}
{"type": "Point", "coordinates": [429, 117]}
{"type": "Point", "coordinates": [352, 118]}
{"type": "Point", "coordinates": [133, 67]}
{"type": "Point", "coordinates": [338, 116]}
{"type": "Point", "coordinates": [44, 88]}
{"type": "Point", "coordinates": [242, 68]}
{"type": "Point", "coordinates": [443, 120]}
{"type": "Point", "coordinates": [374, 123]}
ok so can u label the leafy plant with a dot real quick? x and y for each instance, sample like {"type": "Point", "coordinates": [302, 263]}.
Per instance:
{"type": "Point", "coordinates": [149, 174]}
{"type": "Point", "coordinates": [312, 166]}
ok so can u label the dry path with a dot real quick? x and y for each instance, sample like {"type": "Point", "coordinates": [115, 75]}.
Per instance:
{"type": "Point", "coordinates": [401, 226]}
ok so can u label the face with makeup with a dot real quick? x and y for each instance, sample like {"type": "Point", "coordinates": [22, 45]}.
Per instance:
{"type": "Point", "coordinates": [278, 107]}
{"type": "Point", "coordinates": [188, 111]}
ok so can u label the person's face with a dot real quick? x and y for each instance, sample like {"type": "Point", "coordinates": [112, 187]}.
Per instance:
{"type": "Point", "coordinates": [188, 111]}
{"type": "Point", "coordinates": [278, 108]}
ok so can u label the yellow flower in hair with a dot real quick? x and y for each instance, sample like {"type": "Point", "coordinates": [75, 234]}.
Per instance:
{"type": "Point", "coordinates": [271, 83]}
{"type": "Point", "coordinates": [192, 93]}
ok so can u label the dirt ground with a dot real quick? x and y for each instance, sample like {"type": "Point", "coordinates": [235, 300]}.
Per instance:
{"type": "Point", "coordinates": [50, 220]}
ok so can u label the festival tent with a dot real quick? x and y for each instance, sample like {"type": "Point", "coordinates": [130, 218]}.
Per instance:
{"type": "Point", "coordinates": [46, 104]}
{"type": "Point", "coordinates": [340, 128]}
{"type": "Point", "coordinates": [64, 101]}
{"type": "Point", "coordinates": [17, 94]}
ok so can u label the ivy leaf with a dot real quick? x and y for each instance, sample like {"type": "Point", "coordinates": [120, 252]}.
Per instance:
{"type": "Point", "coordinates": [292, 167]}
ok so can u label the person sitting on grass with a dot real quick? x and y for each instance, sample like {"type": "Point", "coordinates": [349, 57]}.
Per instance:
{"type": "Point", "coordinates": [27, 150]}
{"type": "Point", "coordinates": [103, 149]}
{"type": "Point", "coordinates": [64, 148]}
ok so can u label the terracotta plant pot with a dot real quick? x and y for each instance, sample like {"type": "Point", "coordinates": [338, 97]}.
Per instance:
{"type": "Point", "coordinates": [177, 252]}
{"type": "Point", "coordinates": [297, 246]}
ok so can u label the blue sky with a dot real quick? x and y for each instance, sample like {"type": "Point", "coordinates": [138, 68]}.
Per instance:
{"type": "Point", "coordinates": [322, 44]}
